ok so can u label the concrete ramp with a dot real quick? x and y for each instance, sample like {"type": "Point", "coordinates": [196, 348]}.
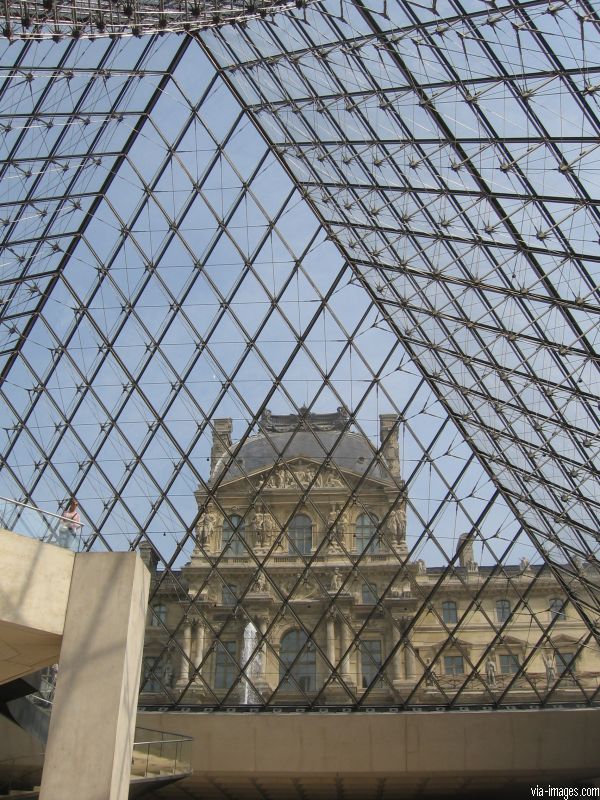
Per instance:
{"type": "Point", "coordinates": [34, 594]}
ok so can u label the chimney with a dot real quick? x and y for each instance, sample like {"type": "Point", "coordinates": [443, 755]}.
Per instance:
{"type": "Point", "coordinates": [391, 449]}
{"type": "Point", "coordinates": [221, 441]}
{"type": "Point", "coordinates": [149, 556]}
{"type": "Point", "coordinates": [465, 549]}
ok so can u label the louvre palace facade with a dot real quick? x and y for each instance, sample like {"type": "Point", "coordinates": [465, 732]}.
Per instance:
{"type": "Point", "coordinates": [301, 591]}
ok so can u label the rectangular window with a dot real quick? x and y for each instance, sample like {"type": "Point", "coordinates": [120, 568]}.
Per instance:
{"type": "Point", "coordinates": [156, 674]}
{"type": "Point", "coordinates": [454, 665]}
{"type": "Point", "coordinates": [502, 610]}
{"type": "Point", "coordinates": [564, 663]}
{"type": "Point", "coordinates": [557, 609]}
{"type": "Point", "coordinates": [449, 612]}
{"type": "Point", "coordinates": [369, 594]}
{"type": "Point", "coordinates": [306, 683]}
{"type": "Point", "coordinates": [229, 595]}
{"type": "Point", "coordinates": [226, 670]}
{"type": "Point", "coordinates": [509, 664]}
{"type": "Point", "coordinates": [370, 660]}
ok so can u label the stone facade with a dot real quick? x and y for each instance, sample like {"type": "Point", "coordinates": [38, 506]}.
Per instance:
{"type": "Point", "coordinates": [383, 628]}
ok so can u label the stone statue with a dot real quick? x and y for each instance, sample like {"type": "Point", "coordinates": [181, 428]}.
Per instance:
{"type": "Point", "coordinates": [259, 527]}
{"type": "Point", "coordinates": [168, 673]}
{"type": "Point", "coordinates": [490, 670]}
{"type": "Point", "coordinates": [334, 533]}
{"type": "Point", "coordinates": [550, 668]}
{"type": "Point", "coordinates": [336, 581]}
{"type": "Point", "coordinates": [331, 479]}
{"type": "Point", "coordinates": [343, 527]}
{"type": "Point", "coordinates": [271, 529]}
{"type": "Point", "coordinates": [421, 567]}
{"type": "Point", "coordinates": [260, 584]}
{"type": "Point", "coordinates": [429, 673]}
{"type": "Point", "coordinates": [395, 527]}
{"type": "Point", "coordinates": [206, 526]}
{"type": "Point", "coordinates": [524, 564]}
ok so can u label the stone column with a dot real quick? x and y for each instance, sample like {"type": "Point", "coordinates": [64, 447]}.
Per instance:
{"type": "Point", "coordinates": [398, 665]}
{"type": "Point", "coordinates": [331, 638]}
{"type": "Point", "coordinates": [409, 661]}
{"type": "Point", "coordinates": [261, 681]}
{"type": "Point", "coordinates": [90, 741]}
{"type": "Point", "coordinates": [184, 669]}
{"type": "Point", "coordinates": [358, 667]}
{"type": "Point", "coordinates": [346, 638]}
{"type": "Point", "coordinates": [199, 646]}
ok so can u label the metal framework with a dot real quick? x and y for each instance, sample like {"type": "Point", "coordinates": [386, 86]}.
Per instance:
{"type": "Point", "coordinates": [46, 19]}
{"type": "Point", "coordinates": [383, 209]}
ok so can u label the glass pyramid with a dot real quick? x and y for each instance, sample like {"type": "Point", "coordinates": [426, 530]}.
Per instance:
{"type": "Point", "coordinates": [301, 302]}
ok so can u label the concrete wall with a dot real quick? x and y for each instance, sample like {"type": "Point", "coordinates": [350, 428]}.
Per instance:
{"type": "Point", "coordinates": [504, 743]}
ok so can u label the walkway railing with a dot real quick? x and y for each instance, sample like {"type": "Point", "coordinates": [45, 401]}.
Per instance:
{"type": "Point", "coordinates": [30, 521]}
{"type": "Point", "coordinates": [156, 755]}
{"type": "Point", "coordinates": [159, 754]}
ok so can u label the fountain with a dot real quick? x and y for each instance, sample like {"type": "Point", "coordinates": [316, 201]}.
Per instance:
{"type": "Point", "coordinates": [252, 666]}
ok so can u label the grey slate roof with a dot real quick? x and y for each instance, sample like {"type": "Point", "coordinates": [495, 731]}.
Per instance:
{"type": "Point", "coordinates": [354, 452]}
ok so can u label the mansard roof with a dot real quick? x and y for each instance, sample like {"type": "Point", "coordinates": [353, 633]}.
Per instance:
{"type": "Point", "coordinates": [349, 450]}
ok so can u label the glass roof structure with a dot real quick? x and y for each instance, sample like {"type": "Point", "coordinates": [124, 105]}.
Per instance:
{"type": "Point", "coordinates": [383, 209]}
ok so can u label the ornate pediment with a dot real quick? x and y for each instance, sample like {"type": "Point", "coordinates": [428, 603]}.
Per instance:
{"type": "Point", "coordinates": [302, 473]}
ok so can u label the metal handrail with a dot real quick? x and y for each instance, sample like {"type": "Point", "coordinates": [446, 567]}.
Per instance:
{"type": "Point", "coordinates": [154, 755]}
{"type": "Point", "coordinates": [168, 753]}
{"type": "Point", "coordinates": [40, 511]}
{"type": "Point", "coordinates": [46, 526]}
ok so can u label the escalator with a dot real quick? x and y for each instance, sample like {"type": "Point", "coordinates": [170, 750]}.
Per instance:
{"type": "Point", "coordinates": [158, 758]}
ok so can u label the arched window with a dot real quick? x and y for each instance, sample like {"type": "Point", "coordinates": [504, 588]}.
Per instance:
{"type": "Point", "coordinates": [366, 534]}
{"type": "Point", "coordinates": [557, 609]}
{"type": "Point", "coordinates": [304, 672]}
{"type": "Point", "coordinates": [502, 610]}
{"type": "Point", "coordinates": [158, 615]}
{"type": "Point", "coordinates": [449, 612]}
{"type": "Point", "coordinates": [300, 535]}
{"type": "Point", "coordinates": [233, 536]}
